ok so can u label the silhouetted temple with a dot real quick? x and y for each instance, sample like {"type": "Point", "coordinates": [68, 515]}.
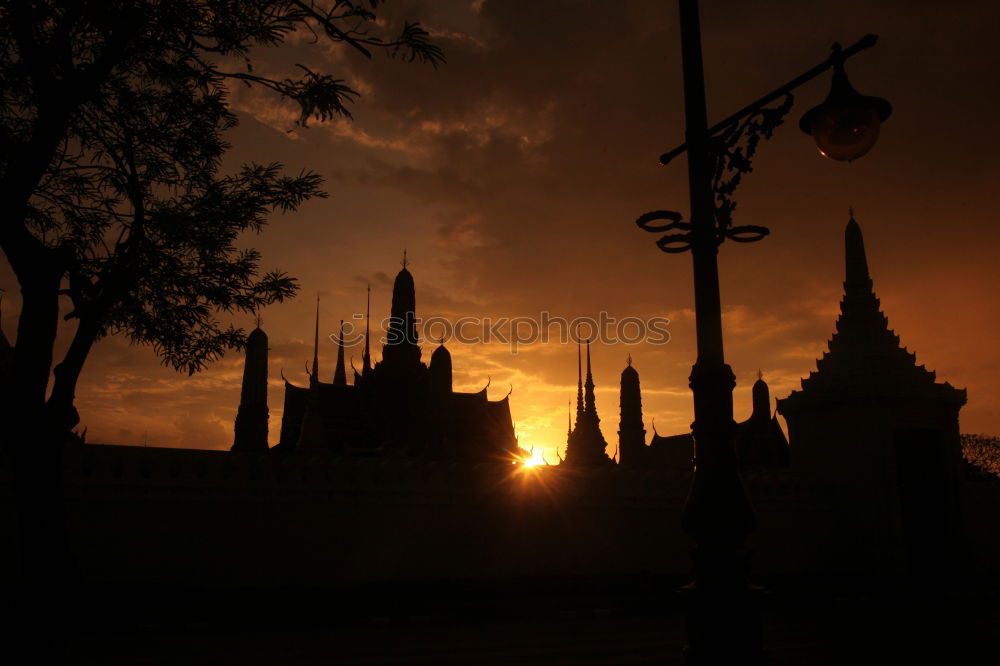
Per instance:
{"type": "Point", "coordinates": [675, 452]}
{"type": "Point", "coordinates": [398, 407]}
{"type": "Point", "coordinates": [760, 442]}
{"type": "Point", "coordinates": [866, 387]}
{"type": "Point", "coordinates": [871, 414]}
{"type": "Point", "coordinates": [585, 444]}
{"type": "Point", "coordinates": [631, 429]}
{"type": "Point", "coordinates": [873, 489]}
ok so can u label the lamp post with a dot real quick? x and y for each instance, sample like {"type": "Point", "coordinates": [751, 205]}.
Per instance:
{"type": "Point", "coordinates": [723, 615]}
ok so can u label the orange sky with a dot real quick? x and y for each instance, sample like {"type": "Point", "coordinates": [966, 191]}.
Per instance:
{"type": "Point", "coordinates": [513, 175]}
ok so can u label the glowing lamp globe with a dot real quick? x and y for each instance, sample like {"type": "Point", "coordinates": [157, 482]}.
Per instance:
{"type": "Point", "coordinates": [846, 125]}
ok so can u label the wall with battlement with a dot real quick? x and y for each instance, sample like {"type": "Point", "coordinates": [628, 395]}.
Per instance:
{"type": "Point", "coordinates": [184, 516]}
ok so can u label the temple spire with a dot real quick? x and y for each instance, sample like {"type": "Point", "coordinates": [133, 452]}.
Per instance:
{"type": "Point", "coordinates": [340, 374]}
{"type": "Point", "coordinates": [569, 418]}
{"type": "Point", "coordinates": [761, 399]}
{"type": "Point", "coordinates": [250, 428]}
{"type": "Point", "coordinates": [856, 273]}
{"type": "Point", "coordinates": [589, 398]}
{"type": "Point", "coordinates": [586, 446]}
{"type": "Point", "coordinates": [366, 358]}
{"type": "Point", "coordinates": [864, 357]}
{"type": "Point", "coordinates": [631, 433]}
{"type": "Point", "coordinates": [579, 379]}
{"type": "Point", "coordinates": [314, 378]}
{"type": "Point", "coordinates": [402, 349]}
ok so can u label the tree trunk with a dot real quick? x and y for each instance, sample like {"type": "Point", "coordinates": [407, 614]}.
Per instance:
{"type": "Point", "coordinates": [48, 575]}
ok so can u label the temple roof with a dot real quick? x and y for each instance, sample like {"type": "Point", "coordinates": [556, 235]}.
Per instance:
{"type": "Point", "coordinates": [864, 357]}
{"type": "Point", "coordinates": [403, 294]}
{"type": "Point", "coordinates": [441, 355]}
{"type": "Point", "coordinates": [671, 451]}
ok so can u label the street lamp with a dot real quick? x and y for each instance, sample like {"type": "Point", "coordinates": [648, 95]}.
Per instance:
{"type": "Point", "coordinates": [846, 124]}
{"type": "Point", "coordinates": [723, 613]}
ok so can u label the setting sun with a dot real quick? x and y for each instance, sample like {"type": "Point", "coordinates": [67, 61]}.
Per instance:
{"type": "Point", "coordinates": [535, 459]}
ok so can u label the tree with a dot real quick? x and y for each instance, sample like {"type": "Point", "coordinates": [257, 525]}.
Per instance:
{"type": "Point", "coordinates": [982, 455]}
{"type": "Point", "coordinates": [112, 115]}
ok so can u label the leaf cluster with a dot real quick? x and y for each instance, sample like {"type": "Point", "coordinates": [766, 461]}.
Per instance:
{"type": "Point", "coordinates": [112, 123]}
{"type": "Point", "coordinates": [982, 455]}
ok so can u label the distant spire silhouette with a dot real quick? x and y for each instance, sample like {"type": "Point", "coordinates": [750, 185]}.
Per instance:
{"type": "Point", "coordinates": [250, 429]}
{"type": "Point", "coordinates": [761, 398]}
{"type": "Point", "coordinates": [579, 379]}
{"type": "Point", "coordinates": [590, 404]}
{"type": "Point", "coordinates": [441, 373]}
{"type": "Point", "coordinates": [314, 377]}
{"type": "Point", "coordinates": [401, 349]}
{"type": "Point", "coordinates": [340, 374]}
{"type": "Point", "coordinates": [569, 418]}
{"type": "Point", "coordinates": [585, 446]}
{"type": "Point", "coordinates": [366, 358]}
{"type": "Point", "coordinates": [631, 432]}
{"type": "Point", "coordinates": [311, 433]}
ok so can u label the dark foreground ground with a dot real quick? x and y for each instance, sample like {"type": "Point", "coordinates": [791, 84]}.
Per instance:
{"type": "Point", "coordinates": [528, 622]}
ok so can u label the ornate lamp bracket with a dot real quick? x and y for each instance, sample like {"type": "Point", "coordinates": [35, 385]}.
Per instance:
{"type": "Point", "coordinates": [733, 148]}
{"type": "Point", "coordinates": [733, 143]}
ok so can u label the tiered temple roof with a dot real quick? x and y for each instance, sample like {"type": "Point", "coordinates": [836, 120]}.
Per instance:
{"type": "Point", "coordinates": [865, 359]}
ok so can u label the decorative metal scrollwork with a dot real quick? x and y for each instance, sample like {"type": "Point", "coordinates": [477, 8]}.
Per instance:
{"type": "Point", "coordinates": [747, 233]}
{"type": "Point", "coordinates": [733, 148]}
{"type": "Point", "coordinates": [674, 243]}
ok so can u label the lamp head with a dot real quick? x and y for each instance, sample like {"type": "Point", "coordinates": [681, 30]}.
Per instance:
{"type": "Point", "coordinates": [846, 125]}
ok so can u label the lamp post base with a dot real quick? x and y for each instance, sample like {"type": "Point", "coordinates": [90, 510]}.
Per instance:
{"type": "Point", "coordinates": [724, 618]}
